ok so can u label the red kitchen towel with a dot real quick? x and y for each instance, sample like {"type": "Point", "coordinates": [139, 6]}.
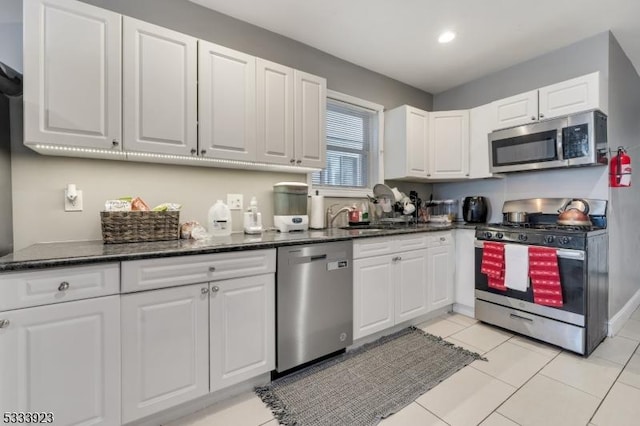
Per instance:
{"type": "Point", "coordinates": [493, 264]}
{"type": "Point", "coordinates": [545, 276]}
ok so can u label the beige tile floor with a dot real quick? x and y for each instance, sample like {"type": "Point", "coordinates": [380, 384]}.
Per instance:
{"type": "Point", "coordinates": [524, 382]}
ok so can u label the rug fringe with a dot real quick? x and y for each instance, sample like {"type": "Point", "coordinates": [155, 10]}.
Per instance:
{"type": "Point", "coordinates": [277, 407]}
{"type": "Point", "coordinates": [443, 342]}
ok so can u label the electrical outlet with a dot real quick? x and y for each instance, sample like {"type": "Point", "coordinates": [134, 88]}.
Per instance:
{"type": "Point", "coordinates": [75, 205]}
{"type": "Point", "coordinates": [234, 201]}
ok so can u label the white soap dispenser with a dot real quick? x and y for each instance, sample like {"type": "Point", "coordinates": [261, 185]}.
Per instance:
{"type": "Point", "coordinates": [253, 218]}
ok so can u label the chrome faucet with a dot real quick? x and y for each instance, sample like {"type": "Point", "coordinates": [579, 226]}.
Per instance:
{"type": "Point", "coordinates": [332, 216]}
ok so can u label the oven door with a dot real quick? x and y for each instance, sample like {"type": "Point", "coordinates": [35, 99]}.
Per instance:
{"type": "Point", "coordinates": [529, 147]}
{"type": "Point", "coordinates": [573, 278]}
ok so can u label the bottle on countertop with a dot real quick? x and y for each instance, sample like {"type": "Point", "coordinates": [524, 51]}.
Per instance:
{"type": "Point", "coordinates": [253, 218]}
{"type": "Point", "coordinates": [219, 220]}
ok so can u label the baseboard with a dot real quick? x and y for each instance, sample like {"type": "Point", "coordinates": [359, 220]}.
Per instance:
{"type": "Point", "coordinates": [620, 318]}
{"type": "Point", "coordinates": [469, 311]}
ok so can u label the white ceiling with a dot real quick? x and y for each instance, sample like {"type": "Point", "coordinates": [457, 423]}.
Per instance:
{"type": "Point", "coordinates": [398, 38]}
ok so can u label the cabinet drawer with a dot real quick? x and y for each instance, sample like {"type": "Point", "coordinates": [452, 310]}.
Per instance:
{"type": "Point", "coordinates": [373, 247]}
{"type": "Point", "coordinates": [439, 239]}
{"type": "Point", "coordinates": [411, 242]}
{"type": "Point", "coordinates": [43, 287]}
{"type": "Point", "coordinates": [147, 274]}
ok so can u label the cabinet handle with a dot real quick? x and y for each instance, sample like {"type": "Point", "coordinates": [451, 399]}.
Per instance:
{"type": "Point", "coordinates": [63, 286]}
{"type": "Point", "coordinates": [533, 118]}
{"type": "Point", "coordinates": [215, 289]}
{"type": "Point", "coordinates": [541, 115]}
{"type": "Point", "coordinates": [193, 151]}
{"type": "Point", "coordinates": [298, 161]}
{"type": "Point", "coordinates": [466, 174]}
{"type": "Point", "coordinates": [428, 175]}
{"type": "Point", "coordinates": [396, 259]}
{"type": "Point", "coordinates": [203, 152]}
{"type": "Point", "coordinates": [212, 268]}
{"type": "Point", "coordinates": [115, 143]}
{"type": "Point", "coordinates": [292, 161]}
{"type": "Point", "coordinates": [204, 290]}
{"type": "Point", "coordinates": [443, 239]}
{"type": "Point", "coordinates": [4, 323]}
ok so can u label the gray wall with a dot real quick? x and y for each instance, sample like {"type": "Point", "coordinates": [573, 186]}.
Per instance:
{"type": "Point", "coordinates": [342, 76]}
{"type": "Point", "coordinates": [624, 130]}
{"type": "Point", "coordinates": [580, 58]}
{"type": "Point", "coordinates": [39, 181]}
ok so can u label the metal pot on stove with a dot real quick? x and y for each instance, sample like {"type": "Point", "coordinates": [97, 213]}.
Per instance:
{"type": "Point", "coordinates": [574, 212]}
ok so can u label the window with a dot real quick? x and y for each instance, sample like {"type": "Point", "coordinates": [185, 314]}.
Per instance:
{"type": "Point", "coordinates": [353, 135]}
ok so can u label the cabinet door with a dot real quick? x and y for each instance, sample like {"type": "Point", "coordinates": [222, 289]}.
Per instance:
{"type": "Point", "coordinates": [480, 125]}
{"type": "Point", "coordinates": [242, 322]}
{"type": "Point", "coordinates": [464, 288]}
{"type": "Point", "coordinates": [417, 143]}
{"type": "Point", "coordinates": [372, 295]}
{"type": "Point", "coordinates": [310, 112]}
{"type": "Point", "coordinates": [64, 359]}
{"type": "Point", "coordinates": [449, 144]}
{"type": "Point", "coordinates": [226, 103]}
{"type": "Point", "coordinates": [275, 103]}
{"type": "Point", "coordinates": [165, 349]}
{"type": "Point", "coordinates": [159, 89]}
{"type": "Point", "coordinates": [515, 110]}
{"type": "Point", "coordinates": [410, 285]}
{"type": "Point", "coordinates": [571, 96]}
{"type": "Point", "coordinates": [440, 276]}
{"type": "Point", "coordinates": [72, 93]}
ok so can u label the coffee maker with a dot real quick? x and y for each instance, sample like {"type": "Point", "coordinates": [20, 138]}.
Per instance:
{"type": "Point", "coordinates": [475, 209]}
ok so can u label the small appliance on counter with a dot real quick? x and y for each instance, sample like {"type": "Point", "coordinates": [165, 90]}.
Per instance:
{"type": "Point", "coordinates": [290, 206]}
{"type": "Point", "coordinates": [475, 209]}
{"type": "Point", "coordinates": [253, 218]}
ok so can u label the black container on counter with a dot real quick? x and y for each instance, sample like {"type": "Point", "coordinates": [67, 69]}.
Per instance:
{"type": "Point", "coordinates": [475, 209]}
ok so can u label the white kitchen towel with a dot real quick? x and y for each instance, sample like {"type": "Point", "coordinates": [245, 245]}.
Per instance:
{"type": "Point", "coordinates": [516, 271]}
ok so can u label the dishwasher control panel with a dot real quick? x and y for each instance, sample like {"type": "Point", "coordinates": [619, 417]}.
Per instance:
{"type": "Point", "coordinates": [340, 264]}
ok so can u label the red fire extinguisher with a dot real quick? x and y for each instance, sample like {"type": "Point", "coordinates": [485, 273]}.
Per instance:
{"type": "Point", "coordinates": [620, 169]}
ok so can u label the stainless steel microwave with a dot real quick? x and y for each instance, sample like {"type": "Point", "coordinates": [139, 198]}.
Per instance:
{"type": "Point", "coordinates": [574, 140]}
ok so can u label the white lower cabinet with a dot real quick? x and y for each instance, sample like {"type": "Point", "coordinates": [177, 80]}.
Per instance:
{"type": "Point", "coordinates": [242, 323]}
{"type": "Point", "coordinates": [372, 295]}
{"type": "Point", "coordinates": [165, 349]}
{"type": "Point", "coordinates": [403, 284]}
{"type": "Point", "coordinates": [65, 359]}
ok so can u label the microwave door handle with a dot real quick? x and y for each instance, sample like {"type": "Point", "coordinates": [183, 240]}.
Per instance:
{"type": "Point", "coordinates": [559, 144]}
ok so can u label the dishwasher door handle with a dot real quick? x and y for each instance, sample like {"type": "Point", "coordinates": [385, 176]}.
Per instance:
{"type": "Point", "coordinates": [317, 257]}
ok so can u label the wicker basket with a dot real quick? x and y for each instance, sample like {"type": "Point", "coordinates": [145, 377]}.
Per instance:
{"type": "Point", "coordinates": [139, 226]}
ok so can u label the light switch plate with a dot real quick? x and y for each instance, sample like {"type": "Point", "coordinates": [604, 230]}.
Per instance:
{"type": "Point", "coordinates": [234, 201]}
{"type": "Point", "coordinates": [76, 206]}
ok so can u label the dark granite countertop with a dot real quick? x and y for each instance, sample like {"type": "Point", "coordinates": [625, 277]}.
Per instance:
{"type": "Point", "coordinates": [46, 255]}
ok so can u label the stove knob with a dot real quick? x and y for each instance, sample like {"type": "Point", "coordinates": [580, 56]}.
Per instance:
{"type": "Point", "coordinates": [522, 237]}
{"type": "Point", "coordinates": [565, 240]}
{"type": "Point", "coordinates": [499, 235]}
{"type": "Point", "coordinates": [488, 235]}
{"type": "Point", "coordinates": [549, 239]}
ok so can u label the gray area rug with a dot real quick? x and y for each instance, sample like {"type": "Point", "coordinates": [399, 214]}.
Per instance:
{"type": "Point", "coordinates": [363, 386]}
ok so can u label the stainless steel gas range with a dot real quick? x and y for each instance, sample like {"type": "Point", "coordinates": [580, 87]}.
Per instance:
{"type": "Point", "coordinates": [579, 321]}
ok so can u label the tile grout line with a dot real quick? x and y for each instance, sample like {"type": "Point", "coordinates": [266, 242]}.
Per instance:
{"type": "Point", "coordinates": [431, 412]}
{"type": "Point", "coordinates": [613, 384]}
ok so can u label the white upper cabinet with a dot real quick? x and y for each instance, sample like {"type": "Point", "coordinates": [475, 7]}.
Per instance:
{"type": "Point", "coordinates": [72, 66]}
{"type": "Point", "coordinates": [310, 110]}
{"type": "Point", "coordinates": [159, 89]}
{"type": "Point", "coordinates": [449, 144]}
{"type": "Point", "coordinates": [480, 125]}
{"type": "Point", "coordinates": [226, 103]}
{"type": "Point", "coordinates": [571, 96]}
{"type": "Point", "coordinates": [567, 97]}
{"type": "Point", "coordinates": [274, 117]}
{"type": "Point", "coordinates": [516, 110]}
{"type": "Point", "coordinates": [406, 135]}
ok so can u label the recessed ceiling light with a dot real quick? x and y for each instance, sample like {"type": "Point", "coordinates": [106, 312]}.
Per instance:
{"type": "Point", "coordinates": [446, 37]}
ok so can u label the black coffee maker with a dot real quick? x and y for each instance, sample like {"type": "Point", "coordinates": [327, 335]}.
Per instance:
{"type": "Point", "coordinates": [475, 209]}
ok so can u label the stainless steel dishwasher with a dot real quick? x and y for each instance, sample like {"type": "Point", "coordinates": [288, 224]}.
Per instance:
{"type": "Point", "coordinates": [314, 300]}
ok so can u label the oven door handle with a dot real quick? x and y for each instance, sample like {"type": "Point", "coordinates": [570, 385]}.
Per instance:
{"type": "Point", "coordinates": [514, 316]}
{"type": "Point", "coordinates": [565, 254]}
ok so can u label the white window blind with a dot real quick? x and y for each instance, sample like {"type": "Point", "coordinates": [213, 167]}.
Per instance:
{"type": "Point", "coordinates": [351, 146]}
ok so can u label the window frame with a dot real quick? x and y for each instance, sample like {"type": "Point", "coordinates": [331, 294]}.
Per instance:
{"type": "Point", "coordinates": [336, 192]}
